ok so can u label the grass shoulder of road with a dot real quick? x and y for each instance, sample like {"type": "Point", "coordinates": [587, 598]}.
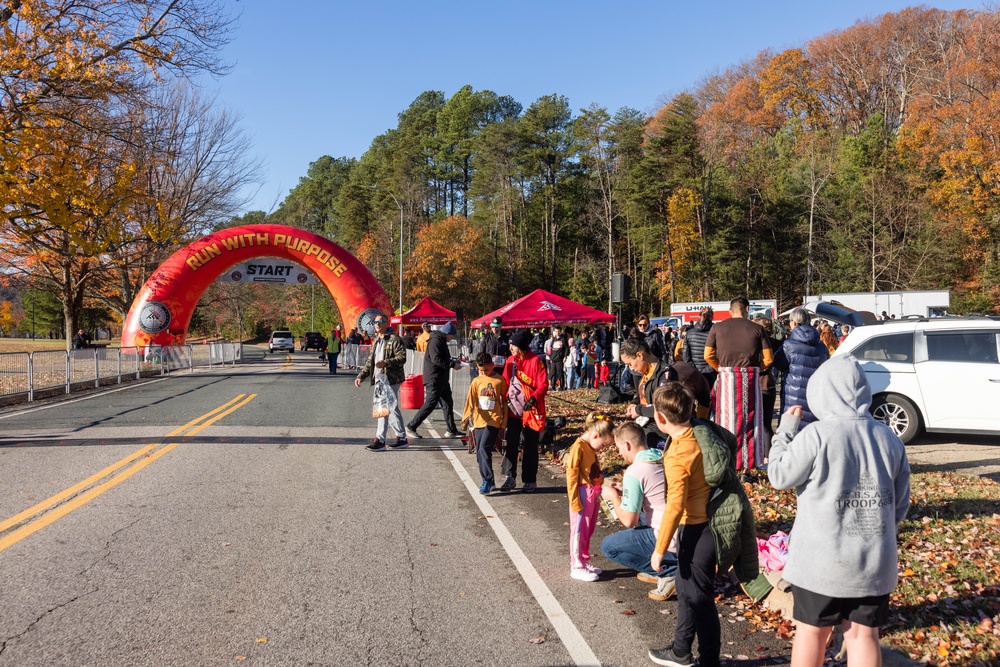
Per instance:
{"type": "Point", "coordinates": [945, 610]}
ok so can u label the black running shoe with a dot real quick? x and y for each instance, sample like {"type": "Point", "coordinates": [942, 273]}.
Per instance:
{"type": "Point", "coordinates": [401, 443]}
{"type": "Point", "coordinates": [376, 446]}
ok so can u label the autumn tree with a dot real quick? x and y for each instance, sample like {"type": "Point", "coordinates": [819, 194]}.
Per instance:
{"type": "Point", "coordinates": [451, 264]}
{"type": "Point", "coordinates": [75, 76]}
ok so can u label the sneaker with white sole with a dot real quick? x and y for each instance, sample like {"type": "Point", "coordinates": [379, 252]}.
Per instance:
{"type": "Point", "coordinates": [582, 574]}
{"type": "Point", "coordinates": [648, 578]}
{"type": "Point", "coordinates": [666, 656]}
{"type": "Point", "coordinates": [593, 568]}
{"type": "Point", "coordinates": [454, 434]}
{"type": "Point", "coordinates": [509, 484]}
{"type": "Point", "coordinates": [410, 433]}
{"type": "Point", "coordinates": [664, 590]}
{"type": "Point", "coordinates": [376, 446]}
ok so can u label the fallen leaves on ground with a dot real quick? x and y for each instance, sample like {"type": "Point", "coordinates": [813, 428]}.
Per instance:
{"type": "Point", "coordinates": [945, 610]}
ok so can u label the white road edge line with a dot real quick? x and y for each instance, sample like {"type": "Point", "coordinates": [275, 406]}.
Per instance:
{"type": "Point", "coordinates": [83, 398]}
{"type": "Point", "coordinates": [579, 650]}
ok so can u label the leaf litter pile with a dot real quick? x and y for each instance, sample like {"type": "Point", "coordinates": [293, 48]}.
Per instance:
{"type": "Point", "coordinates": [945, 610]}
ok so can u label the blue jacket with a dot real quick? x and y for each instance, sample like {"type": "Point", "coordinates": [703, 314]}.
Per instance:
{"type": "Point", "coordinates": [799, 357]}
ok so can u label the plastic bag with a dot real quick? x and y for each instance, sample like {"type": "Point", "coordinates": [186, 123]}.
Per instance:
{"type": "Point", "coordinates": [384, 400]}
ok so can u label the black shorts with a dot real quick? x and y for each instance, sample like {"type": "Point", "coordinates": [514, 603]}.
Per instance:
{"type": "Point", "coordinates": [824, 611]}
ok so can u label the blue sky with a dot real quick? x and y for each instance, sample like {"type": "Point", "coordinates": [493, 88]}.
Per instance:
{"type": "Point", "coordinates": [324, 77]}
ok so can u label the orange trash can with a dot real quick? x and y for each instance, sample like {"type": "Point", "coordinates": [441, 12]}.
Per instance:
{"type": "Point", "coordinates": [411, 392]}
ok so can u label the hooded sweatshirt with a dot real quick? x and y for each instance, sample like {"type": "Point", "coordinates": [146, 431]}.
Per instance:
{"type": "Point", "coordinates": [852, 481]}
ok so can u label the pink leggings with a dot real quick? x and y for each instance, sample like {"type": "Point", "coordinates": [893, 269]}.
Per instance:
{"type": "Point", "coordinates": [581, 526]}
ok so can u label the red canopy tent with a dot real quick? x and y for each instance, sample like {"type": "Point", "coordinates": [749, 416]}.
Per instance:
{"type": "Point", "coordinates": [541, 308]}
{"type": "Point", "coordinates": [428, 311]}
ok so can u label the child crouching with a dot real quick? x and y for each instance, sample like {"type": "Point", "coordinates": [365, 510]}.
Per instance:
{"type": "Point", "coordinates": [583, 486]}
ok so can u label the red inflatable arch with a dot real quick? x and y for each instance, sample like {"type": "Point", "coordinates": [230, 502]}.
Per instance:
{"type": "Point", "coordinates": [162, 311]}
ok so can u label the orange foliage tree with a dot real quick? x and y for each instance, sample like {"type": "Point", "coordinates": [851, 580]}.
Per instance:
{"type": "Point", "coordinates": [452, 264]}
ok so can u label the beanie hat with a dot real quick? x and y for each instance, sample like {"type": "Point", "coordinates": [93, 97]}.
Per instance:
{"type": "Point", "coordinates": [521, 340]}
{"type": "Point", "coordinates": [448, 329]}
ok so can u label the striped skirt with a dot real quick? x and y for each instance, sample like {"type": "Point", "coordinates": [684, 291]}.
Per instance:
{"type": "Point", "coordinates": [736, 403]}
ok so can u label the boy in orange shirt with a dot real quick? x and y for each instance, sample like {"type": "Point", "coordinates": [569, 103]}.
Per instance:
{"type": "Point", "coordinates": [486, 408]}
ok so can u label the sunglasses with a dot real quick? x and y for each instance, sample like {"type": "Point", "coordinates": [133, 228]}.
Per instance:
{"type": "Point", "coordinates": [379, 321]}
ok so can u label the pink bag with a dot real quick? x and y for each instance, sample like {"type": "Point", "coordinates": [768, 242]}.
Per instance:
{"type": "Point", "coordinates": [773, 552]}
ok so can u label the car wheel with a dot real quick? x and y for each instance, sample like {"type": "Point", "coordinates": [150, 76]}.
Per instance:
{"type": "Point", "coordinates": [897, 413]}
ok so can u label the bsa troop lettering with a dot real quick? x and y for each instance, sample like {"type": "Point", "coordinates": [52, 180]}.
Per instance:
{"type": "Point", "coordinates": [303, 246]}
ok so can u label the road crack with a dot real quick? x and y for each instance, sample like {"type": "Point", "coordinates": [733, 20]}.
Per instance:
{"type": "Point", "coordinates": [5, 642]}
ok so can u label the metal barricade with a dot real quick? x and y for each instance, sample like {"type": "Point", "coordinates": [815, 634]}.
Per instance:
{"type": "Point", "coordinates": [49, 369]}
{"type": "Point", "coordinates": [15, 373]}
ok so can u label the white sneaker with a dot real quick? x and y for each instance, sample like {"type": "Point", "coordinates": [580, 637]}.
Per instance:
{"type": "Point", "coordinates": [592, 568]}
{"type": "Point", "coordinates": [582, 574]}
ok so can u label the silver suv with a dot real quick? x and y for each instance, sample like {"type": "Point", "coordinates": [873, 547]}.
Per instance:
{"type": "Point", "coordinates": [938, 374]}
{"type": "Point", "coordinates": [281, 340]}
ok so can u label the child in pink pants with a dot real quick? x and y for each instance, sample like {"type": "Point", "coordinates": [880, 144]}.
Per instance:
{"type": "Point", "coordinates": [583, 486]}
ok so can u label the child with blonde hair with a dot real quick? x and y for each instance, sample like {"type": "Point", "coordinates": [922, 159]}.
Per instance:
{"type": "Point", "coordinates": [583, 486]}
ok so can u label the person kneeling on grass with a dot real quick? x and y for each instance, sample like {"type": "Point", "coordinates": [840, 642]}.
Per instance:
{"type": "Point", "coordinates": [852, 487]}
{"type": "Point", "coordinates": [639, 502]}
{"type": "Point", "coordinates": [486, 410]}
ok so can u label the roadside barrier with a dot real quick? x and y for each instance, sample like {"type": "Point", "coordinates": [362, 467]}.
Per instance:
{"type": "Point", "coordinates": [30, 373]}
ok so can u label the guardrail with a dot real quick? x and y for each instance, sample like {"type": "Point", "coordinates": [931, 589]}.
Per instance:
{"type": "Point", "coordinates": [28, 373]}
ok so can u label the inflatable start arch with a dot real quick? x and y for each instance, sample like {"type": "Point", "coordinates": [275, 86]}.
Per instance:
{"type": "Point", "coordinates": [162, 311]}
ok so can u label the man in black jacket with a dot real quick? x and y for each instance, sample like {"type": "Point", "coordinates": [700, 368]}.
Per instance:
{"type": "Point", "coordinates": [495, 343]}
{"type": "Point", "coordinates": [560, 347]}
{"type": "Point", "coordinates": [437, 364]}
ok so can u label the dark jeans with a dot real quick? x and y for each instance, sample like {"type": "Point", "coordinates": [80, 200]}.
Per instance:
{"type": "Point", "coordinates": [633, 547]}
{"type": "Point", "coordinates": [486, 438]}
{"type": "Point", "coordinates": [768, 398]}
{"type": "Point", "coordinates": [558, 374]}
{"type": "Point", "coordinates": [332, 358]}
{"type": "Point", "coordinates": [516, 431]}
{"type": "Point", "coordinates": [437, 392]}
{"type": "Point", "coordinates": [696, 610]}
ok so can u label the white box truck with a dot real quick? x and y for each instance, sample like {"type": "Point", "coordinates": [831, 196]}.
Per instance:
{"type": "Point", "coordinates": [931, 303]}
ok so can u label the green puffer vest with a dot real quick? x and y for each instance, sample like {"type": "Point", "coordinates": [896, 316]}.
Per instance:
{"type": "Point", "coordinates": [729, 511]}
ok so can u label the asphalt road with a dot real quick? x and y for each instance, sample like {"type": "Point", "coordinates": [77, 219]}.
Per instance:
{"type": "Point", "coordinates": [234, 517]}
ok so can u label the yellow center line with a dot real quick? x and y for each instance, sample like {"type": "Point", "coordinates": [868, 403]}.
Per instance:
{"type": "Point", "coordinates": [181, 429]}
{"type": "Point", "coordinates": [146, 456]}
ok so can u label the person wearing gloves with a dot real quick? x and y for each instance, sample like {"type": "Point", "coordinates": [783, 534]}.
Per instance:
{"type": "Point", "coordinates": [527, 384]}
{"type": "Point", "coordinates": [437, 365]}
{"type": "Point", "coordinates": [852, 484]}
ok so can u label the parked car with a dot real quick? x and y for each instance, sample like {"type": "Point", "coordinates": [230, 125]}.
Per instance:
{"type": "Point", "coordinates": [313, 340]}
{"type": "Point", "coordinates": [938, 374]}
{"type": "Point", "coordinates": [281, 340]}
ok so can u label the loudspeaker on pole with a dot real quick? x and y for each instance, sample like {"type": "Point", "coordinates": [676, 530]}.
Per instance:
{"type": "Point", "coordinates": [621, 287]}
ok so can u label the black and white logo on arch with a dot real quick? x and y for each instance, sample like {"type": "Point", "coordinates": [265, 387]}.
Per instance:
{"type": "Point", "coordinates": [366, 320]}
{"type": "Point", "coordinates": [154, 317]}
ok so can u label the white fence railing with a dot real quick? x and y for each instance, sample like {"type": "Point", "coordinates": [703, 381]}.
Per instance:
{"type": "Point", "coordinates": [27, 373]}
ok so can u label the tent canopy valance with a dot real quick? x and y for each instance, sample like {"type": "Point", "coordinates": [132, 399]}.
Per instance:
{"type": "Point", "coordinates": [427, 310]}
{"type": "Point", "coordinates": [544, 309]}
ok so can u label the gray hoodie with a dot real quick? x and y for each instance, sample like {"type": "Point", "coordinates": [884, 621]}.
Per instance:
{"type": "Point", "coordinates": [852, 481]}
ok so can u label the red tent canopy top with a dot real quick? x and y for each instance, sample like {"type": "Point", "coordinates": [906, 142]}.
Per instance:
{"type": "Point", "coordinates": [541, 308]}
{"type": "Point", "coordinates": [428, 311]}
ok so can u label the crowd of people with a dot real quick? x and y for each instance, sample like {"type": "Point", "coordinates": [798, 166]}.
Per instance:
{"type": "Point", "coordinates": [700, 420]}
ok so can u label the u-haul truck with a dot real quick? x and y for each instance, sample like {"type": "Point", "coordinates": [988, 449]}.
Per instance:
{"type": "Point", "coordinates": [689, 312]}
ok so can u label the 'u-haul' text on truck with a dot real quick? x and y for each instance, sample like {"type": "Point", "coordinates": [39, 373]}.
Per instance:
{"type": "Point", "coordinates": [689, 312]}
